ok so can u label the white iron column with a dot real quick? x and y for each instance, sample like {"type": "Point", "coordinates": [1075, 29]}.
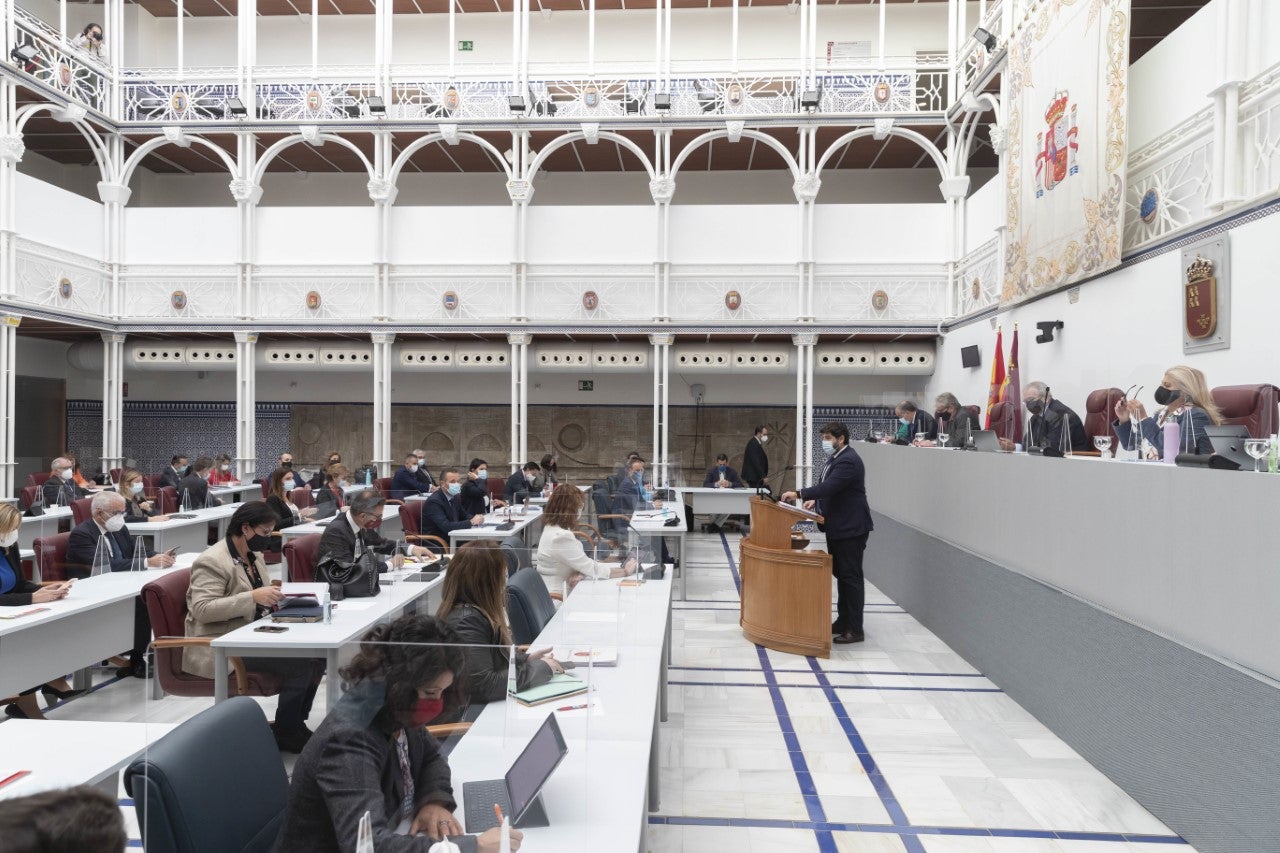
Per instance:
{"type": "Point", "coordinates": [382, 342]}
{"type": "Point", "coordinates": [519, 398]}
{"type": "Point", "coordinates": [9, 370]}
{"type": "Point", "coordinates": [383, 194]}
{"type": "Point", "coordinates": [114, 197]}
{"type": "Point", "coordinates": [954, 190]}
{"type": "Point", "coordinates": [661, 407]}
{"type": "Point", "coordinates": [806, 191]}
{"type": "Point", "coordinates": [246, 405]}
{"type": "Point", "coordinates": [112, 400]}
{"type": "Point", "coordinates": [804, 408]}
{"type": "Point", "coordinates": [662, 188]}
{"type": "Point", "coordinates": [11, 151]}
{"type": "Point", "coordinates": [246, 194]}
{"type": "Point", "coordinates": [1232, 25]}
{"type": "Point", "coordinates": [520, 189]}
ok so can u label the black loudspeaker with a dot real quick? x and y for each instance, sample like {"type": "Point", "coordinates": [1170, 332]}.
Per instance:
{"type": "Point", "coordinates": [969, 356]}
{"type": "Point", "coordinates": [1206, 460]}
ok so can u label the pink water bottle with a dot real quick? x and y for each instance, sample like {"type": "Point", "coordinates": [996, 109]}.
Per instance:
{"type": "Point", "coordinates": [1172, 441]}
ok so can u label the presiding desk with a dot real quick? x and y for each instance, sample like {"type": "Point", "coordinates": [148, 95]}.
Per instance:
{"type": "Point", "coordinates": [1182, 552]}
{"type": "Point", "coordinates": [708, 500]}
{"type": "Point", "coordinates": [786, 594]}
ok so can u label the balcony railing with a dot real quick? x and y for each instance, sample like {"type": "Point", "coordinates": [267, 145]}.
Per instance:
{"type": "Point", "coordinates": [61, 67]}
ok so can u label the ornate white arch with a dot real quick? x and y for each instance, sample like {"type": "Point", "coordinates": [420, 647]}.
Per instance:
{"type": "Point", "coordinates": [568, 138]}
{"type": "Point", "coordinates": [135, 159]}
{"type": "Point", "coordinates": [99, 148]}
{"type": "Point", "coordinates": [270, 154]}
{"type": "Point", "coordinates": [710, 135]}
{"type": "Point", "coordinates": [904, 132]}
{"type": "Point", "coordinates": [423, 141]}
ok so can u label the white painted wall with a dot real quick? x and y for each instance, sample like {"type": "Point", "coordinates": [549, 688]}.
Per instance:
{"type": "Point", "coordinates": [882, 233]}
{"type": "Point", "coordinates": [315, 235]}
{"type": "Point", "coordinates": [175, 235]}
{"type": "Point", "coordinates": [56, 217]}
{"type": "Point", "coordinates": [1127, 328]}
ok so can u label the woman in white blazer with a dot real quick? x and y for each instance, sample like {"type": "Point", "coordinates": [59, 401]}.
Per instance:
{"type": "Point", "coordinates": [561, 559]}
{"type": "Point", "coordinates": [229, 588]}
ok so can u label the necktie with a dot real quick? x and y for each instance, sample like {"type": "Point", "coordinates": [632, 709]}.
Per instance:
{"type": "Point", "coordinates": [116, 554]}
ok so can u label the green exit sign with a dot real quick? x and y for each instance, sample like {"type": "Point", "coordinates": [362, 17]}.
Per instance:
{"type": "Point", "coordinates": [586, 385]}
{"type": "Point", "coordinates": [466, 45]}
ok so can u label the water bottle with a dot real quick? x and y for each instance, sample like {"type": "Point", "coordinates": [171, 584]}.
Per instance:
{"type": "Point", "coordinates": [1172, 442]}
{"type": "Point", "coordinates": [326, 607]}
{"type": "Point", "coordinates": [368, 477]}
{"type": "Point", "coordinates": [1273, 458]}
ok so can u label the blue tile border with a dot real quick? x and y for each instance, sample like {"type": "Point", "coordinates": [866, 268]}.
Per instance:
{"type": "Point", "coordinates": [912, 832]}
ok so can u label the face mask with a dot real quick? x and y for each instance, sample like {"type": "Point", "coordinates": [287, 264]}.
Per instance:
{"type": "Point", "coordinates": [828, 447]}
{"type": "Point", "coordinates": [905, 421]}
{"type": "Point", "coordinates": [205, 475]}
{"type": "Point", "coordinates": [96, 36]}
{"type": "Point", "coordinates": [455, 488]}
{"type": "Point", "coordinates": [258, 542]}
{"type": "Point", "coordinates": [334, 461]}
{"type": "Point", "coordinates": [114, 523]}
{"type": "Point", "coordinates": [482, 474]}
{"type": "Point", "coordinates": [286, 464]}
{"type": "Point", "coordinates": [1165, 396]}
{"type": "Point", "coordinates": [764, 439]}
{"type": "Point", "coordinates": [421, 461]}
{"type": "Point", "coordinates": [412, 468]}
{"type": "Point", "coordinates": [942, 416]}
{"type": "Point", "coordinates": [1035, 406]}
{"type": "Point", "coordinates": [226, 467]}
{"type": "Point", "coordinates": [427, 710]}
{"type": "Point", "coordinates": [136, 488]}
{"type": "Point", "coordinates": [7, 540]}
{"type": "Point", "coordinates": [66, 474]}
{"type": "Point", "coordinates": [536, 482]}
{"type": "Point", "coordinates": [721, 467]}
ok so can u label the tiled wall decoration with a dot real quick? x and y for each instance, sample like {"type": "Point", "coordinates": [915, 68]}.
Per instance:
{"type": "Point", "coordinates": [154, 431]}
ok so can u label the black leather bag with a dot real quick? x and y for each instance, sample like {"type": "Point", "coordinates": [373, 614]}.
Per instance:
{"type": "Point", "coordinates": [356, 578]}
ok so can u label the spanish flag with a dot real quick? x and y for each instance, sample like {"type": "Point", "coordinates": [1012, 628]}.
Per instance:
{"type": "Point", "coordinates": [997, 377]}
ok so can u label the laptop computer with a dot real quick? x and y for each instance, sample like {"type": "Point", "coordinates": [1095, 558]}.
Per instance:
{"type": "Point", "coordinates": [985, 441]}
{"type": "Point", "coordinates": [1228, 442]}
{"type": "Point", "coordinates": [517, 793]}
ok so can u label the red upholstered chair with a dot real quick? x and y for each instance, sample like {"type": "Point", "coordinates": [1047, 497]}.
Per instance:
{"type": "Point", "coordinates": [115, 474]}
{"type": "Point", "coordinates": [150, 482]}
{"type": "Point", "coordinates": [264, 482]}
{"type": "Point", "coordinates": [497, 487]}
{"type": "Point", "coordinates": [168, 496]}
{"type": "Point", "coordinates": [302, 497]}
{"type": "Point", "coordinates": [1251, 406]}
{"type": "Point", "coordinates": [1100, 415]}
{"type": "Point", "coordinates": [37, 479]}
{"type": "Point", "coordinates": [51, 558]}
{"type": "Point", "coordinates": [301, 553]}
{"type": "Point", "coordinates": [383, 484]}
{"type": "Point", "coordinates": [28, 496]}
{"type": "Point", "coordinates": [977, 412]}
{"type": "Point", "coordinates": [81, 510]}
{"type": "Point", "coordinates": [166, 601]}
{"type": "Point", "coordinates": [1004, 419]}
{"type": "Point", "coordinates": [411, 521]}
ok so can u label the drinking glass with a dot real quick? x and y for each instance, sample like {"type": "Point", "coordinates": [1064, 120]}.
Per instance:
{"type": "Point", "coordinates": [1103, 445]}
{"type": "Point", "coordinates": [942, 438]}
{"type": "Point", "coordinates": [1258, 448]}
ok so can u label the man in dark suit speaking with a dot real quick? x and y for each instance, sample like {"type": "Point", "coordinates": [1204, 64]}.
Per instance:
{"type": "Point", "coordinates": [755, 464]}
{"type": "Point", "coordinates": [840, 495]}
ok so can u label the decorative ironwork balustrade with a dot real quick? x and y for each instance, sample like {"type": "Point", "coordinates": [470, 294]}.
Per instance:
{"type": "Point", "coordinates": [59, 66]}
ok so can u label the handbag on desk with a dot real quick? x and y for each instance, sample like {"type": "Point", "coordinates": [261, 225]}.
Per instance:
{"type": "Point", "coordinates": [356, 578]}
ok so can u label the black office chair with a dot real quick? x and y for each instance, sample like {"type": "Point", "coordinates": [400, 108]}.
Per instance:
{"type": "Point", "coordinates": [517, 554]}
{"type": "Point", "coordinates": [529, 606]}
{"type": "Point", "coordinates": [172, 785]}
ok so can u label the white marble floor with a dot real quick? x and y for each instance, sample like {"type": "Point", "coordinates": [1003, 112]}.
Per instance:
{"type": "Point", "coordinates": [895, 745]}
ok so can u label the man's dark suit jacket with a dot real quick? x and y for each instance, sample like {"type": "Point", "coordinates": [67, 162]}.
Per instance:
{"type": "Point", "coordinates": [755, 464]}
{"type": "Point", "coordinates": [842, 496]}
{"type": "Point", "coordinates": [516, 483]}
{"type": "Point", "coordinates": [198, 489]}
{"type": "Point", "coordinates": [83, 545]}
{"type": "Point", "coordinates": [339, 541]}
{"type": "Point", "coordinates": [713, 477]}
{"type": "Point", "coordinates": [442, 514]}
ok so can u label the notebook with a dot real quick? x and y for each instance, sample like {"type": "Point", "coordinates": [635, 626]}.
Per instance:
{"type": "Point", "coordinates": [586, 655]}
{"type": "Point", "coordinates": [559, 687]}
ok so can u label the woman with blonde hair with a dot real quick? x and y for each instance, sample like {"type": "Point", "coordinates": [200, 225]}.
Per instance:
{"type": "Point", "coordinates": [137, 506]}
{"type": "Point", "coordinates": [1184, 398]}
{"type": "Point", "coordinates": [561, 559]}
{"type": "Point", "coordinates": [473, 603]}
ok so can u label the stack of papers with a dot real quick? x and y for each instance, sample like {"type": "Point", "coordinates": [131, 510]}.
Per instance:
{"type": "Point", "coordinates": [559, 687]}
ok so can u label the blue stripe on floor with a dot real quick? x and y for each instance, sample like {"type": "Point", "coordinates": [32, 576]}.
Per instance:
{"type": "Point", "coordinates": [832, 671]}
{"type": "Point", "coordinates": [838, 686]}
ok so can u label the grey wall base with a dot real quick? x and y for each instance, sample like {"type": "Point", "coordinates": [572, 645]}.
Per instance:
{"type": "Point", "coordinates": [1195, 741]}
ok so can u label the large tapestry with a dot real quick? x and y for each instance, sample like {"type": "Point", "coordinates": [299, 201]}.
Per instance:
{"type": "Point", "coordinates": [1066, 125]}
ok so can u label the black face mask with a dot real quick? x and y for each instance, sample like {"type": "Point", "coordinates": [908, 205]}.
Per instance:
{"type": "Point", "coordinates": [286, 465]}
{"type": "Point", "coordinates": [1035, 406]}
{"type": "Point", "coordinates": [1165, 396]}
{"type": "Point", "coordinates": [942, 416]}
{"type": "Point", "coordinates": [258, 542]}
{"type": "Point", "coordinates": [96, 36]}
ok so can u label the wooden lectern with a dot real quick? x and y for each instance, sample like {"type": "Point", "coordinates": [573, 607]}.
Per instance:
{"type": "Point", "coordinates": [786, 594]}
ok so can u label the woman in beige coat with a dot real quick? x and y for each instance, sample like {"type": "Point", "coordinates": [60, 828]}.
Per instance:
{"type": "Point", "coordinates": [229, 588]}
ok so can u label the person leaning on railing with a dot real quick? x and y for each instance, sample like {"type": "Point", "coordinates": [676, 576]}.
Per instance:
{"type": "Point", "coordinates": [90, 41]}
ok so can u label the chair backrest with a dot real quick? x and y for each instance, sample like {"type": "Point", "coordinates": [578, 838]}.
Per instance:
{"type": "Point", "coordinates": [264, 482]}
{"type": "Point", "coordinates": [977, 412]}
{"type": "Point", "coordinates": [1004, 419]}
{"type": "Point", "coordinates": [302, 497]}
{"type": "Point", "coordinates": [411, 518]}
{"type": "Point", "coordinates": [383, 484]}
{"type": "Point", "coordinates": [529, 605]}
{"type": "Point", "coordinates": [115, 474]}
{"type": "Point", "coordinates": [300, 553]}
{"type": "Point", "coordinates": [171, 784]}
{"type": "Point", "coordinates": [517, 554]}
{"type": "Point", "coordinates": [38, 479]}
{"type": "Point", "coordinates": [51, 557]}
{"type": "Point", "coordinates": [168, 500]}
{"type": "Point", "coordinates": [29, 496]}
{"type": "Point", "coordinates": [1251, 406]}
{"type": "Point", "coordinates": [81, 510]}
{"type": "Point", "coordinates": [166, 602]}
{"type": "Point", "coordinates": [1099, 414]}
{"type": "Point", "coordinates": [150, 481]}
{"type": "Point", "coordinates": [496, 487]}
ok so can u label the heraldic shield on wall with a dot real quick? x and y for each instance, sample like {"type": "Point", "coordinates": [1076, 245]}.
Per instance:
{"type": "Point", "coordinates": [1067, 127]}
{"type": "Point", "coordinates": [1205, 291]}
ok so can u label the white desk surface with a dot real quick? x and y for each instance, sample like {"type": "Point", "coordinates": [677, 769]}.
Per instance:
{"type": "Point", "coordinates": [202, 516]}
{"type": "Point", "coordinates": [52, 513]}
{"type": "Point", "coordinates": [86, 594]}
{"type": "Point", "coordinates": [609, 744]}
{"type": "Point", "coordinates": [521, 516]}
{"type": "Point", "coordinates": [389, 511]}
{"type": "Point", "coordinates": [236, 489]}
{"type": "Point", "coordinates": [63, 753]}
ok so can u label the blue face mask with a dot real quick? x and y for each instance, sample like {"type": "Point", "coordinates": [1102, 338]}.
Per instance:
{"type": "Point", "coordinates": [455, 488]}
{"type": "Point", "coordinates": [482, 474]}
{"type": "Point", "coordinates": [828, 447]}
{"type": "Point", "coordinates": [722, 470]}
{"type": "Point", "coordinates": [905, 421]}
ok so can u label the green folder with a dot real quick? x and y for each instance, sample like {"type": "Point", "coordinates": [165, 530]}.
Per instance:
{"type": "Point", "coordinates": [559, 687]}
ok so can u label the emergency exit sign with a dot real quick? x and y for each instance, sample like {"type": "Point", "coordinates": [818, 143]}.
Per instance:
{"type": "Point", "coordinates": [466, 45]}
{"type": "Point", "coordinates": [586, 385]}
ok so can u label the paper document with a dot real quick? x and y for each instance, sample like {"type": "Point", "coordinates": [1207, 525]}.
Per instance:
{"type": "Point", "coordinates": [316, 589]}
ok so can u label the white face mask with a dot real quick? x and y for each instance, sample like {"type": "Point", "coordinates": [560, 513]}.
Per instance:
{"type": "Point", "coordinates": [413, 467]}
{"type": "Point", "coordinates": [136, 488]}
{"type": "Point", "coordinates": [828, 447]}
{"type": "Point", "coordinates": [226, 467]}
{"type": "Point", "coordinates": [7, 540]}
{"type": "Point", "coordinates": [66, 474]}
{"type": "Point", "coordinates": [764, 439]}
{"type": "Point", "coordinates": [114, 523]}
